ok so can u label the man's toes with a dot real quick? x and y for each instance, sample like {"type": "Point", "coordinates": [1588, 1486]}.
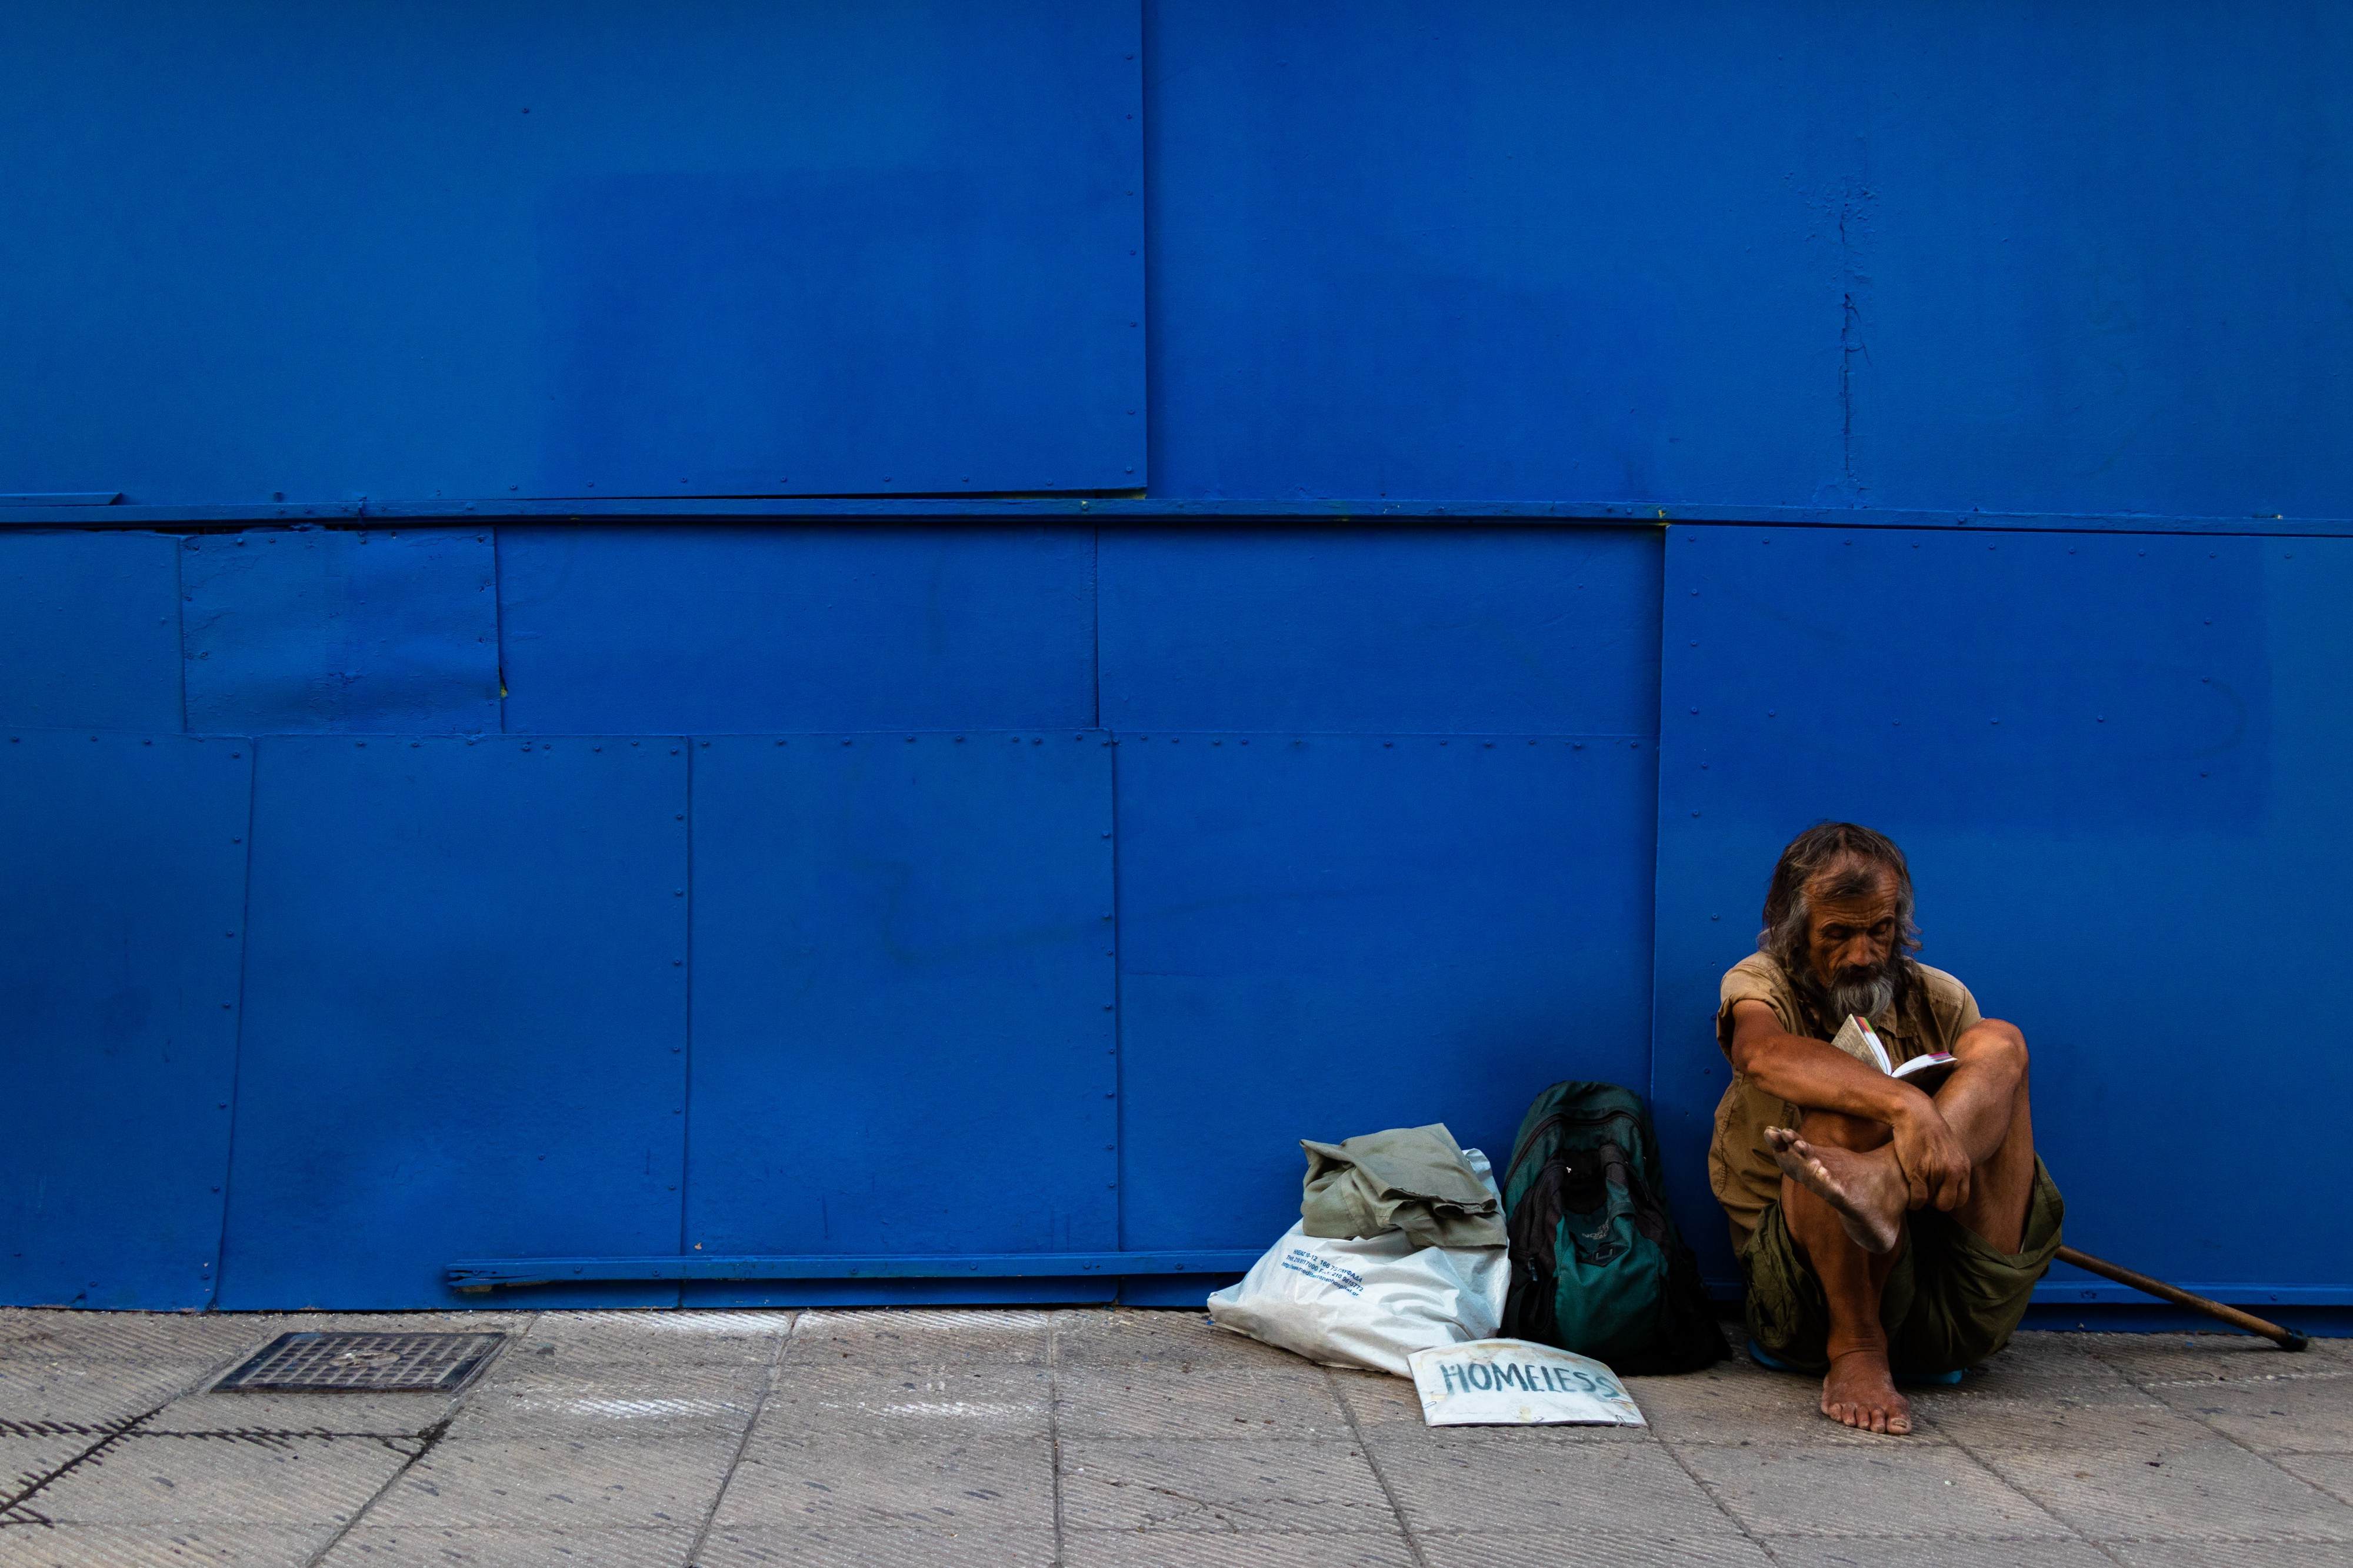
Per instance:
{"type": "Point", "coordinates": [1899, 1425]}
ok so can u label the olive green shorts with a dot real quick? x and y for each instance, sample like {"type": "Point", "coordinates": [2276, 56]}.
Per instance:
{"type": "Point", "coordinates": [1951, 1301]}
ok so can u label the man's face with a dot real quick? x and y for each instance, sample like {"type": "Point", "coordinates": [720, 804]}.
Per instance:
{"type": "Point", "coordinates": [1850, 941]}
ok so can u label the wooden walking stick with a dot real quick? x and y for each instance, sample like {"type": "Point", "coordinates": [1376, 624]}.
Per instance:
{"type": "Point", "coordinates": [2286, 1339]}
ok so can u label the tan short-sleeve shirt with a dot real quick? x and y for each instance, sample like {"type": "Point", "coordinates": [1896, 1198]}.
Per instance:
{"type": "Point", "coordinates": [1739, 1167]}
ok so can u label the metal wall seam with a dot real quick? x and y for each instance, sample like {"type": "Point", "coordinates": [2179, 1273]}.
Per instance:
{"type": "Point", "coordinates": [1138, 508]}
{"type": "Point", "coordinates": [237, 1056]}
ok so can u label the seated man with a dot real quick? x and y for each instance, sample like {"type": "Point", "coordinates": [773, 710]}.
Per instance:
{"type": "Point", "coordinates": [1881, 1229]}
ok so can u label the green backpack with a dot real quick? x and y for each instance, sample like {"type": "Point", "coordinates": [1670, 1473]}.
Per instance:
{"type": "Point", "coordinates": [1597, 1267]}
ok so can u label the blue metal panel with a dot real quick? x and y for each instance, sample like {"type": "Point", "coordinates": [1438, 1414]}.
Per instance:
{"type": "Point", "coordinates": [1517, 251]}
{"type": "Point", "coordinates": [1321, 936]}
{"type": "Point", "coordinates": [903, 983]}
{"type": "Point", "coordinates": [120, 937]}
{"type": "Point", "coordinates": [2115, 764]}
{"type": "Point", "coordinates": [89, 631]}
{"type": "Point", "coordinates": [728, 630]}
{"type": "Point", "coordinates": [2015, 256]}
{"type": "Point", "coordinates": [571, 249]}
{"type": "Point", "coordinates": [489, 1273]}
{"type": "Point", "coordinates": [319, 629]}
{"type": "Point", "coordinates": [2100, 268]}
{"type": "Point", "coordinates": [465, 1015]}
{"type": "Point", "coordinates": [1528, 630]}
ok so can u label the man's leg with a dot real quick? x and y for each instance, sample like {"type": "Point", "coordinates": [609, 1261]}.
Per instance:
{"type": "Point", "coordinates": [1858, 1391]}
{"type": "Point", "coordinates": [1841, 1180]}
{"type": "Point", "coordinates": [1985, 1103]}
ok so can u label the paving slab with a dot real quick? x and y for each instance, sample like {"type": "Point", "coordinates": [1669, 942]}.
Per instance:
{"type": "Point", "coordinates": [1599, 1544]}
{"type": "Point", "coordinates": [341, 1412]}
{"type": "Point", "coordinates": [1170, 1549]}
{"type": "Point", "coordinates": [161, 1546]}
{"type": "Point", "coordinates": [877, 1548]}
{"type": "Point", "coordinates": [562, 1483]}
{"type": "Point", "coordinates": [492, 1548]}
{"type": "Point", "coordinates": [638, 1410]}
{"type": "Point", "coordinates": [1560, 1490]}
{"type": "Point", "coordinates": [2271, 1416]}
{"type": "Point", "coordinates": [88, 1393]}
{"type": "Point", "coordinates": [1945, 1551]}
{"type": "Point", "coordinates": [929, 1404]}
{"type": "Point", "coordinates": [267, 1326]}
{"type": "Point", "coordinates": [2208, 1358]}
{"type": "Point", "coordinates": [24, 1461]}
{"type": "Point", "coordinates": [1120, 1335]}
{"type": "Point", "coordinates": [2066, 1391]}
{"type": "Point", "coordinates": [1968, 1406]}
{"type": "Point", "coordinates": [2029, 1425]}
{"type": "Point", "coordinates": [533, 1400]}
{"type": "Point", "coordinates": [57, 1334]}
{"type": "Point", "coordinates": [1158, 1399]}
{"type": "Point", "coordinates": [739, 1385]}
{"type": "Point", "coordinates": [2209, 1490]}
{"type": "Point", "coordinates": [2082, 1379]}
{"type": "Point", "coordinates": [657, 1338]}
{"type": "Point", "coordinates": [920, 1336]}
{"type": "Point", "coordinates": [1898, 1488]}
{"type": "Point", "coordinates": [2225, 1554]}
{"type": "Point", "coordinates": [2332, 1473]}
{"type": "Point", "coordinates": [2044, 1351]}
{"type": "Point", "coordinates": [291, 1482]}
{"type": "Point", "coordinates": [1222, 1486]}
{"type": "Point", "coordinates": [993, 1486]}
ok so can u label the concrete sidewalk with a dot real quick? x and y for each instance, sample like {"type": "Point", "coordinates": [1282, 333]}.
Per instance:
{"type": "Point", "coordinates": [1096, 1437]}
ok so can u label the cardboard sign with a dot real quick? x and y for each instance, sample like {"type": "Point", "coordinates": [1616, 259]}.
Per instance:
{"type": "Point", "coordinates": [1513, 1382]}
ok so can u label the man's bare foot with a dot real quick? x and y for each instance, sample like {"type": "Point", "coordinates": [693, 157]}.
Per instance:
{"type": "Point", "coordinates": [1865, 1191]}
{"type": "Point", "coordinates": [1860, 1391]}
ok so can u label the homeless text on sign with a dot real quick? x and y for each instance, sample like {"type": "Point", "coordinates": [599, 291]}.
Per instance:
{"type": "Point", "coordinates": [1513, 1382]}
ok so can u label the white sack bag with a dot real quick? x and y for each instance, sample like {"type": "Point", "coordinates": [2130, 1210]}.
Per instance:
{"type": "Point", "coordinates": [1369, 1303]}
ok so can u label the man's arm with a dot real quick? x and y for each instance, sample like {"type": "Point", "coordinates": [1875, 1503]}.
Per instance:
{"type": "Point", "coordinates": [1818, 1076]}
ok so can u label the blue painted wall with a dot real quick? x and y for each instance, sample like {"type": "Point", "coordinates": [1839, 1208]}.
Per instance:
{"type": "Point", "coordinates": [505, 869]}
{"type": "Point", "coordinates": [2021, 258]}
{"type": "Point", "coordinates": [562, 249]}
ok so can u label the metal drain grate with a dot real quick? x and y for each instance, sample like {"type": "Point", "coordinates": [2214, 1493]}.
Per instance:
{"type": "Point", "coordinates": [432, 1364]}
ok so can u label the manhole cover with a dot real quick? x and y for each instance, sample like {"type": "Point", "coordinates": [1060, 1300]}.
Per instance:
{"type": "Point", "coordinates": [427, 1363]}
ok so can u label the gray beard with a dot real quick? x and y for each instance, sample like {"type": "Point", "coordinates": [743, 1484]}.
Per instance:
{"type": "Point", "coordinates": [1867, 1000]}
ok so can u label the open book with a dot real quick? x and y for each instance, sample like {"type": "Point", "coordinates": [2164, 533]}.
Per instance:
{"type": "Point", "coordinates": [1857, 1039]}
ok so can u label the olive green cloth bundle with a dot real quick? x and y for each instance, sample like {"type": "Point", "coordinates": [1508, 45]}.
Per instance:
{"type": "Point", "coordinates": [1412, 1179]}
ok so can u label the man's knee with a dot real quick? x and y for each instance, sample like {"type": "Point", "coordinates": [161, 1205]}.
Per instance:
{"type": "Point", "coordinates": [1994, 1040]}
{"type": "Point", "coordinates": [1839, 1131]}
